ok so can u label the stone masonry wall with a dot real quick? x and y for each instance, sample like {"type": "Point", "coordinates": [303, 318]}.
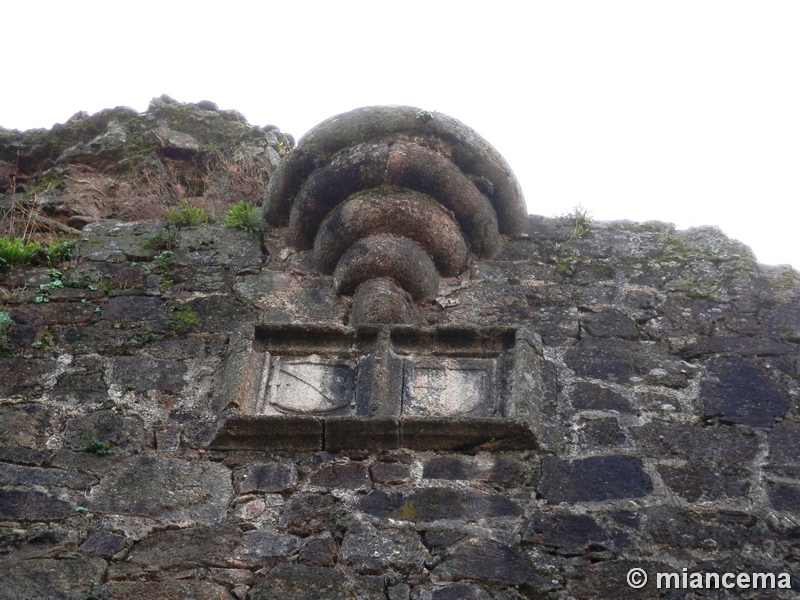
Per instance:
{"type": "Point", "coordinates": [674, 361]}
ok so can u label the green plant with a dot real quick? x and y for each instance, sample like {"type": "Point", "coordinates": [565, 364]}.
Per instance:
{"type": "Point", "coordinates": [16, 251]}
{"type": "Point", "coordinates": [182, 319]}
{"type": "Point", "coordinates": [243, 215]}
{"type": "Point", "coordinates": [82, 510]}
{"type": "Point", "coordinates": [163, 239]}
{"type": "Point", "coordinates": [59, 251]}
{"type": "Point", "coordinates": [95, 446]}
{"type": "Point", "coordinates": [5, 323]}
{"type": "Point", "coordinates": [186, 214]}
{"type": "Point", "coordinates": [581, 218]}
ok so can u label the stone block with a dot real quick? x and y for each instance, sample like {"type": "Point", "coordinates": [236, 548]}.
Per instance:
{"type": "Point", "coordinates": [168, 489]}
{"type": "Point", "coordinates": [488, 562]}
{"type": "Point", "coordinates": [349, 476]}
{"type": "Point", "coordinates": [431, 504]}
{"type": "Point", "coordinates": [32, 505]}
{"type": "Point", "coordinates": [736, 390]}
{"type": "Point", "coordinates": [302, 582]}
{"type": "Point", "coordinates": [69, 578]}
{"type": "Point", "coordinates": [269, 478]}
{"type": "Point", "coordinates": [593, 479]}
{"type": "Point", "coordinates": [368, 550]}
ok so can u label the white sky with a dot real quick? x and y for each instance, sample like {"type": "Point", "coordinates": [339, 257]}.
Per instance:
{"type": "Point", "coordinates": [680, 111]}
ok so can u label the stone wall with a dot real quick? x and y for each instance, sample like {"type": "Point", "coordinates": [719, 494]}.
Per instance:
{"type": "Point", "coordinates": [668, 368]}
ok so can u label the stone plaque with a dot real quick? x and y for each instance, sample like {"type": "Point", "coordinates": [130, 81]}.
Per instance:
{"type": "Point", "coordinates": [448, 387]}
{"type": "Point", "coordinates": [309, 385]}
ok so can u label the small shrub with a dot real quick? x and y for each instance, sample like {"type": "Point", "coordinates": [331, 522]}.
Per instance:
{"type": "Point", "coordinates": [163, 239]}
{"type": "Point", "coordinates": [243, 215]}
{"type": "Point", "coordinates": [186, 214]}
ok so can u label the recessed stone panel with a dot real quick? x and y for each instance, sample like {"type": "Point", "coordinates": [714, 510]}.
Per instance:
{"type": "Point", "coordinates": [309, 385]}
{"type": "Point", "coordinates": [448, 387]}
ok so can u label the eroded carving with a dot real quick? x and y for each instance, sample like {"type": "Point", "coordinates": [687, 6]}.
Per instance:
{"type": "Point", "coordinates": [395, 193]}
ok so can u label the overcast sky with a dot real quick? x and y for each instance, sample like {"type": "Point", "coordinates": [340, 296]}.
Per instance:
{"type": "Point", "coordinates": [679, 111]}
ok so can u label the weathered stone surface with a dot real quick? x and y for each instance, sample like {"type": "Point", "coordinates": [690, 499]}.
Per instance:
{"type": "Point", "coordinates": [707, 481]}
{"type": "Point", "coordinates": [601, 433]}
{"type": "Point", "coordinates": [134, 308]}
{"type": "Point", "coordinates": [31, 476]}
{"type": "Point", "coordinates": [736, 390]}
{"type": "Point", "coordinates": [663, 440]}
{"type": "Point", "coordinates": [501, 470]}
{"type": "Point", "coordinates": [611, 359]}
{"type": "Point", "coordinates": [67, 579]}
{"type": "Point", "coordinates": [588, 396]}
{"type": "Point", "coordinates": [431, 504]}
{"type": "Point", "coordinates": [171, 489]}
{"type": "Point", "coordinates": [350, 476]}
{"type": "Point", "coordinates": [121, 433]}
{"type": "Point", "coordinates": [382, 256]}
{"type": "Point", "coordinates": [104, 544]}
{"type": "Point", "coordinates": [269, 477]}
{"type": "Point", "coordinates": [382, 301]}
{"type": "Point", "coordinates": [32, 505]}
{"type": "Point", "coordinates": [593, 479]}
{"type": "Point", "coordinates": [145, 373]}
{"type": "Point", "coordinates": [607, 579]}
{"type": "Point", "coordinates": [610, 323]}
{"type": "Point", "coordinates": [321, 551]}
{"type": "Point", "coordinates": [164, 590]}
{"type": "Point", "coordinates": [19, 454]}
{"type": "Point", "coordinates": [456, 591]}
{"type": "Point", "coordinates": [20, 376]}
{"type": "Point", "coordinates": [784, 496]}
{"type": "Point", "coordinates": [25, 425]}
{"type": "Point", "coordinates": [390, 473]}
{"type": "Point", "coordinates": [784, 449]}
{"type": "Point", "coordinates": [677, 528]}
{"type": "Point", "coordinates": [368, 550]}
{"type": "Point", "coordinates": [189, 548]}
{"type": "Point", "coordinates": [306, 514]}
{"type": "Point", "coordinates": [564, 530]}
{"type": "Point", "coordinates": [300, 582]}
{"type": "Point", "coordinates": [488, 562]}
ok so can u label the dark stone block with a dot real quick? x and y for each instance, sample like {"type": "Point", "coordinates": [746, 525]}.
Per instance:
{"type": "Point", "coordinates": [736, 390]}
{"type": "Point", "coordinates": [588, 396]}
{"type": "Point", "coordinates": [431, 504]}
{"type": "Point", "coordinates": [441, 539]}
{"type": "Point", "coordinates": [565, 531]}
{"type": "Point", "coordinates": [488, 562]}
{"type": "Point", "coordinates": [320, 552]}
{"type": "Point", "coordinates": [349, 476]}
{"type": "Point", "coordinates": [269, 478]}
{"type": "Point", "coordinates": [368, 550]}
{"type": "Point", "coordinates": [298, 433]}
{"type": "Point", "coordinates": [390, 473]}
{"type": "Point", "coordinates": [121, 433]}
{"type": "Point", "coordinates": [743, 346]}
{"type": "Point", "coordinates": [701, 444]}
{"type": "Point", "coordinates": [25, 425]}
{"type": "Point", "coordinates": [593, 479]}
{"type": "Point", "coordinates": [146, 373]}
{"type": "Point", "coordinates": [707, 481]}
{"type": "Point", "coordinates": [19, 454]}
{"type": "Point", "coordinates": [22, 375]}
{"type": "Point", "coordinates": [784, 496]}
{"type": "Point", "coordinates": [784, 444]}
{"type": "Point", "coordinates": [31, 476]}
{"type": "Point", "coordinates": [104, 543]}
{"type": "Point", "coordinates": [610, 323]}
{"type": "Point", "coordinates": [675, 528]}
{"type": "Point", "coordinates": [306, 514]}
{"type": "Point", "coordinates": [164, 488]}
{"type": "Point", "coordinates": [607, 579]}
{"type": "Point", "coordinates": [31, 505]}
{"type": "Point", "coordinates": [612, 359]}
{"type": "Point", "coordinates": [501, 470]}
{"type": "Point", "coordinates": [65, 579]}
{"type": "Point", "coordinates": [342, 433]}
{"type": "Point", "coordinates": [456, 591]}
{"type": "Point", "coordinates": [602, 432]}
{"type": "Point", "coordinates": [300, 582]}
{"type": "Point", "coordinates": [783, 321]}
{"type": "Point", "coordinates": [187, 548]}
{"type": "Point", "coordinates": [164, 590]}
{"type": "Point", "coordinates": [134, 308]}
{"type": "Point", "coordinates": [216, 313]}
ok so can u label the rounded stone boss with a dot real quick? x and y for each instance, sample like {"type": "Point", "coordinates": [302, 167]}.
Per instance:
{"type": "Point", "coordinates": [394, 193]}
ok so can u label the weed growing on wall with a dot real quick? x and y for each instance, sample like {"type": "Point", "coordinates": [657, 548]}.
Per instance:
{"type": "Point", "coordinates": [243, 215]}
